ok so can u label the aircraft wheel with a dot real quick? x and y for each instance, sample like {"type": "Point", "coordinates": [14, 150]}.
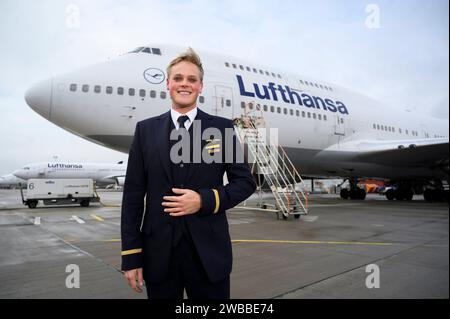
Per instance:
{"type": "Point", "coordinates": [362, 194]}
{"type": "Point", "coordinates": [399, 194]}
{"type": "Point", "coordinates": [345, 194]}
{"type": "Point", "coordinates": [438, 195]}
{"type": "Point", "coordinates": [428, 195]}
{"type": "Point", "coordinates": [409, 194]}
{"type": "Point", "coordinates": [390, 194]}
{"type": "Point", "coordinates": [358, 193]}
{"type": "Point", "coordinates": [446, 195]}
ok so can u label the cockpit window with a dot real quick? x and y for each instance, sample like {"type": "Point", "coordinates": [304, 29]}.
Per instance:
{"type": "Point", "coordinates": [156, 51]}
{"type": "Point", "coordinates": [136, 50]}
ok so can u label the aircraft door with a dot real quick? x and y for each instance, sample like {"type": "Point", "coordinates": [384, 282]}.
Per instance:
{"type": "Point", "coordinates": [224, 102]}
{"type": "Point", "coordinates": [339, 125]}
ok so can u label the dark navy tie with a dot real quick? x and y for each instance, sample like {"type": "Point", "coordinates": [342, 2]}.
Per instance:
{"type": "Point", "coordinates": [179, 222]}
{"type": "Point", "coordinates": [182, 119]}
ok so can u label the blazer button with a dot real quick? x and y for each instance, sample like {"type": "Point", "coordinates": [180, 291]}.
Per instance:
{"type": "Point", "coordinates": [181, 165]}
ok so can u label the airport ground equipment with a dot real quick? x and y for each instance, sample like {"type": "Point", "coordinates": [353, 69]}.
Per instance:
{"type": "Point", "coordinates": [270, 164]}
{"type": "Point", "coordinates": [59, 192]}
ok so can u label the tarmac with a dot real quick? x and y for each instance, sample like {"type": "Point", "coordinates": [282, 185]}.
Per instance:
{"type": "Point", "coordinates": [342, 249]}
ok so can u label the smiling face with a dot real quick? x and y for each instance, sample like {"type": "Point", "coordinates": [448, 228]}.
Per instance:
{"type": "Point", "coordinates": [184, 84]}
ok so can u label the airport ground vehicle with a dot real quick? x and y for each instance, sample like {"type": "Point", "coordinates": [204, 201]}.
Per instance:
{"type": "Point", "coordinates": [59, 192]}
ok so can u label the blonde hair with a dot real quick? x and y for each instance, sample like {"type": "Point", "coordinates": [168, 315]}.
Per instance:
{"type": "Point", "coordinates": [189, 56]}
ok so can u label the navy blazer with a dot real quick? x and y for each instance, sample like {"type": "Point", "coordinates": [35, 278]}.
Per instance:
{"type": "Point", "coordinates": [147, 238]}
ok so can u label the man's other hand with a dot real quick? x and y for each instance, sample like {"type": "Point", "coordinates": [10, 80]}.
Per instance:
{"type": "Point", "coordinates": [134, 278]}
{"type": "Point", "coordinates": [186, 203]}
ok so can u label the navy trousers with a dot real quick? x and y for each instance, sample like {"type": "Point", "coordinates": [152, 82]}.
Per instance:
{"type": "Point", "coordinates": [186, 272]}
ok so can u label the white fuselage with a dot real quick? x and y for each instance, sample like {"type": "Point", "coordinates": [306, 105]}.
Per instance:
{"type": "Point", "coordinates": [99, 172]}
{"type": "Point", "coordinates": [314, 118]}
{"type": "Point", "coordinates": [10, 180]}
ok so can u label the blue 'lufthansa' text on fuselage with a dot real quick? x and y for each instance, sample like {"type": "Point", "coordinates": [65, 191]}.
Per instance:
{"type": "Point", "coordinates": [58, 165]}
{"type": "Point", "coordinates": [290, 96]}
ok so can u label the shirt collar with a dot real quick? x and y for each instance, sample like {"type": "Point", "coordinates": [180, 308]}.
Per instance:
{"type": "Point", "coordinates": [175, 115]}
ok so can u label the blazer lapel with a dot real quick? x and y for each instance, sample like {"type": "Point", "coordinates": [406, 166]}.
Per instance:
{"type": "Point", "coordinates": [204, 119]}
{"type": "Point", "coordinates": [163, 131]}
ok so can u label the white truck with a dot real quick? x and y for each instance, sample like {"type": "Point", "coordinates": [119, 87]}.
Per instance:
{"type": "Point", "coordinates": [59, 192]}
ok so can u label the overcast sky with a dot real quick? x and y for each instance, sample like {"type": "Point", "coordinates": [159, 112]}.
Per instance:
{"type": "Point", "coordinates": [395, 51]}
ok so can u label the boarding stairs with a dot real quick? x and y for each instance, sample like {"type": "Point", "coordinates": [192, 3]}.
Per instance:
{"type": "Point", "coordinates": [269, 160]}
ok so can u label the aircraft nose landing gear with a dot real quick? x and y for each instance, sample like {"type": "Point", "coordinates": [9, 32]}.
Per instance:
{"type": "Point", "coordinates": [354, 192]}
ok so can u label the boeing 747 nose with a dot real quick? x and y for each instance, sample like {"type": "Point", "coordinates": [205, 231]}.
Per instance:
{"type": "Point", "coordinates": [39, 98]}
{"type": "Point", "coordinates": [20, 173]}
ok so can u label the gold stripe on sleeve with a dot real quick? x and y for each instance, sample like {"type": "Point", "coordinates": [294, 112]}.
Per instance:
{"type": "Point", "coordinates": [132, 251]}
{"type": "Point", "coordinates": [216, 194]}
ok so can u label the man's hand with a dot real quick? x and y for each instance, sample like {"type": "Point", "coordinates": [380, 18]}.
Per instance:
{"type": "Point", "coordinates": [134, 278]}
{"type": "Point", "coordinates": [188, 202]}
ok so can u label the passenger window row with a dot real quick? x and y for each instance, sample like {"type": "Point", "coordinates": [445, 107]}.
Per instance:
{"type": "Point", "coordinates": [285, 111]}
{"type": "Point", "coordinates": [263, 72]}
{"type": "Point", "coordinates": [319, 86]}
{"type": "Point", "coordinates": [392, 129]}
{"type": "Point", "coordinates": [249, 69]}
{"type": "Point", "coordinates": [122, 91]}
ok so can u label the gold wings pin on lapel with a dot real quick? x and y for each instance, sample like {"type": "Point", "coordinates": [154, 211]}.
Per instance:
{"type": "Point", "coordinates": [213, 146]}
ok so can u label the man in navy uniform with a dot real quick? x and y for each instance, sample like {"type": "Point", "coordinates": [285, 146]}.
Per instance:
{"type": "Point", "coordinates": [180, 239]}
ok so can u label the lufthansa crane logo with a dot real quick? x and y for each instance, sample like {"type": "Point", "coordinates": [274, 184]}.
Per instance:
{"type": "Point", "coordinates": [154, 76]}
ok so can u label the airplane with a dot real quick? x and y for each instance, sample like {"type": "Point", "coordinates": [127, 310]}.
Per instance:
{"type": "Point", "coordinates": [326, 130]}
{"type": "Point", "coordinates": [101, 173]}
{"type": "Point", "coordinates": [11, 181]}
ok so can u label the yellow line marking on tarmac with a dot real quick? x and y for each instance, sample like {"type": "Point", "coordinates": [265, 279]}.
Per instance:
{"type": "Point", "coordinates": [109, 205]}
{"type": "Point", "coordinates": [237, 241]}
{"type": "Point", "coordinates": [97, 218]}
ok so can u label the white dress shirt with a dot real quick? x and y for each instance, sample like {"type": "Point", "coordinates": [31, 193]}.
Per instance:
{"type": "Point", "coordinates": [175, 115]}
